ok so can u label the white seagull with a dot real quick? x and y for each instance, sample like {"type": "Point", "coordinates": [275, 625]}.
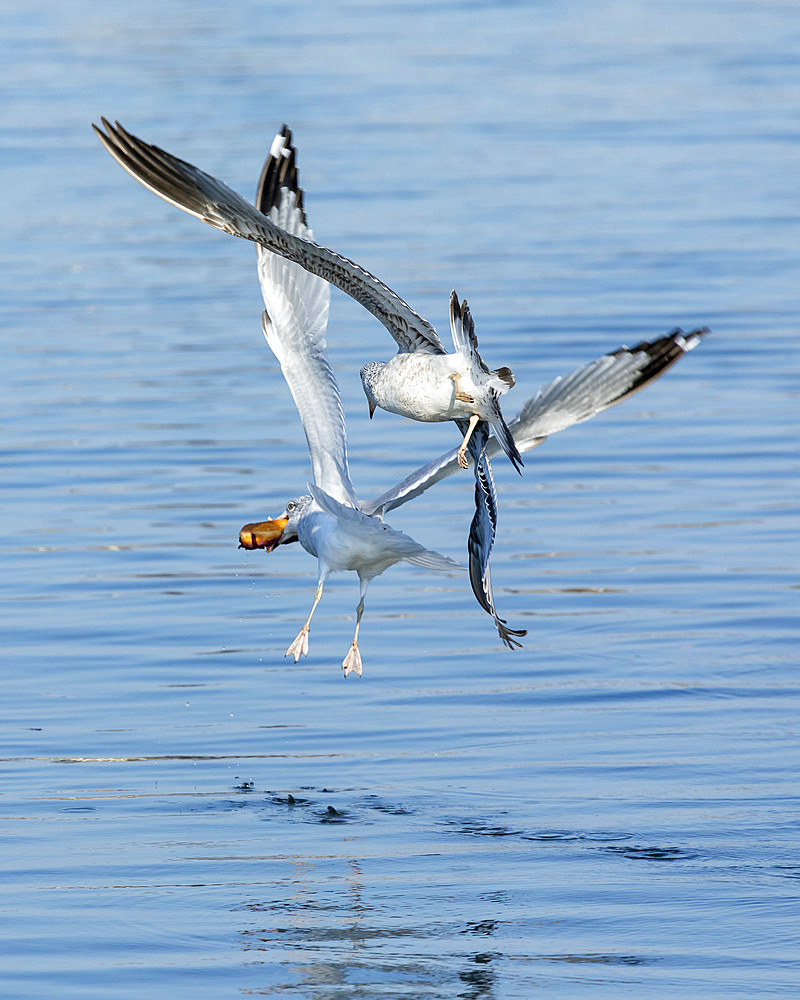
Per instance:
{"type": "Point", "coordinates": [429, 385]}
{"type": "Point", "coordinates": [326, 521]}
{"type": "Point", "coordinates": [422, 377]}
{"type": "Point", "coordinates": [294, 324]}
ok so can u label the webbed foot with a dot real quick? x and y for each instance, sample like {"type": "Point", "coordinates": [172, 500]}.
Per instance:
{"type": "Point", "coordinates": [300, 645]}
{"type": "Point", "coordinates": [352, 662]}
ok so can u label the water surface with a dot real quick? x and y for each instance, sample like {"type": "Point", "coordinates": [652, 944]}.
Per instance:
{"type": "Point", "coordinates": [611, 811]}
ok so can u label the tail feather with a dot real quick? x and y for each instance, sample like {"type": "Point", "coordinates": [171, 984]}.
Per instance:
{"type": "Point", "coordinates": [428, 559]}
{"type": "Point", "coordinates": [505, 380]}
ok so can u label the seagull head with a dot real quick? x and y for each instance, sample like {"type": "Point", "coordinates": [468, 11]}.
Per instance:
{"type": "Point", "coordinates": [276, 531]}
{"type": "Point", "coordinates": [368, 373]}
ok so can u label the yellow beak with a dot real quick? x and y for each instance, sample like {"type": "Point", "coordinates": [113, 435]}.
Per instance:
{"type": "Point", "coordinates": [263, 534]}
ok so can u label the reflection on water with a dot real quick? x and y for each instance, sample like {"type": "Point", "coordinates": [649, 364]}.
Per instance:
{"type": "Point", "coordinates": [337, 888]}
{"type": "Point", "coordinates": [608, 811]}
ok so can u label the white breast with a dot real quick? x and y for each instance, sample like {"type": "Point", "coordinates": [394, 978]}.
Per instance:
{"type": "Point", "coordinates": [419, 386]}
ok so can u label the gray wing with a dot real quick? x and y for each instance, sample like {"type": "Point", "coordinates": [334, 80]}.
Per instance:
{"type": "Point", "coordinates": [567, 400]}
{"type": "Point", "coordinates": [201, 195]}
{"type": "Point", "coordinates": [294, 323]}
{"type": "Point", "coordinates": [589, 390]}
{"type": "Point", "coordinates": [482, 532]}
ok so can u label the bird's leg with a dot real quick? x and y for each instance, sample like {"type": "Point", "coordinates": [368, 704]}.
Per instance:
{"type": "Point", "coordinates": [352, 662]}
{"type": "Point", "coordinates": [300, 645]}
{"type": "Point", "coordinates": [462, 397]}
{"type": "Point", "coordinates": [462, 451]}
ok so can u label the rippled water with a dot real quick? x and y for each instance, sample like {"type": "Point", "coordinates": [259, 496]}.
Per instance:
{"type": "Point", "coordinates": [611, 811]}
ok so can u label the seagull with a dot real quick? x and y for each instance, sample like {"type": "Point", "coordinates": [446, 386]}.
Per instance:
{"type": "Point", "coordinates": [421, 378]}
{"type": "Point", "coordinates": [416, 384]}
{"type": "Point", "coordinates": [326, 521]}
{"type": "Point", "coordinates": [294, 324]}
{"type": "Point", "coordinates": [342, 538]}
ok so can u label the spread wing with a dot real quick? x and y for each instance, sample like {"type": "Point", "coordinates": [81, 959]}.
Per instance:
{"type": "Point", "coordinates": [294, 323]}
{"type": "Point", "coordinates": [567, 400]}
{"type": "Point", "coordinates": [571, 399]}
{"type": "Point", "coordinates": [203, 196]}
{"type": "Point", "coordinates": [482, 532]}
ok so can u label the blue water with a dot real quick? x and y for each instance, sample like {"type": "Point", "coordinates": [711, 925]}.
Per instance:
{"type": "Point", "coordinates": [611, 811]}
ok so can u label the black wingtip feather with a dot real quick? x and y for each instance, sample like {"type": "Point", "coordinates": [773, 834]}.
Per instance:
{"type": "Point", "coordinates": [481, 537]}
{"type": "Point", "coordinates": [510, 636]}
{"type": "Point", "coordinates": [661, 353]}
{"type": "Point", "coordinates": [279, 173]}
{"type": "Point", "coordinates": [507, 443]}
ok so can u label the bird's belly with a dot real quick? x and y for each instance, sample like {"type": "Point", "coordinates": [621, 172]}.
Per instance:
{"type": "Point", "coordinates": [365, 552]}
{"type": "Point", "coordinates": [341, 547]}
{"type": "Point", "coordinates": [420, 386]}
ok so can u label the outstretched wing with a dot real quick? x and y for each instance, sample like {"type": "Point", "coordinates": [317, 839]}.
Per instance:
{"type": "Point", "coordinates": [203, 196]}
{"type": "Point", "coordinates": [589, 390]}
{"type": "Point", "coordinates": [567, 400]}
{"type": "Point", "coordinates": [482, 532]}
{"type": "Point", "coordinates": [295, 320]}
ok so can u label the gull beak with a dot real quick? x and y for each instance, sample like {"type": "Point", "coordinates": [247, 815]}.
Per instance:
{"type": "Point", "coordinates": [371, 408]}
{"type": "Point", "coordinates": [263, 534]}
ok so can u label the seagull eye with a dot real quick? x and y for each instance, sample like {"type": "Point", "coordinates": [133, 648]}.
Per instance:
{"type": "Point", "coordinates": [290, 505]}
